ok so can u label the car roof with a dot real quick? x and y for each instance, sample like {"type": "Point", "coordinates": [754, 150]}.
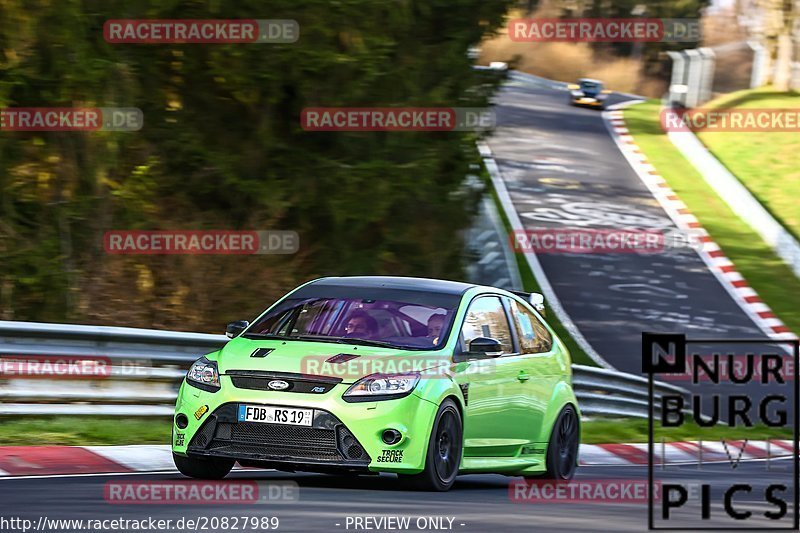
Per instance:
{"type": "Point", "coordinates": [396, 282]}
{"type": "Point", "coordinates": [590, 80]}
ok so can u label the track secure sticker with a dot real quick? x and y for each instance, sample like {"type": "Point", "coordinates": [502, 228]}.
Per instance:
{"type": "Point", "coordinates": [200, 412]}
{"type": "Point", "coordinates": [391, 456]}
{"type": "Point", "coordinates": [179, 439]}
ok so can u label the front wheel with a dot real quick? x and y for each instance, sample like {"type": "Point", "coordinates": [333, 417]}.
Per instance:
{"type": "Point", "coordinates": [444, 452]}
{"type": "Point", "coordinates": [203, 468]}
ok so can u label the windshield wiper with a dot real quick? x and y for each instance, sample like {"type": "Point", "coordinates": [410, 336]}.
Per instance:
{"type": "Point", "coordinates": [345, 340]}
{"type": "Point", "coordinates": [321, 338]}
{"type": "Point", "coordinates": [364, 342]}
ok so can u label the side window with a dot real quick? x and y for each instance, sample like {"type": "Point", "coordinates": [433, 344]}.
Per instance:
{"type": "Point", "coordinates": [487, 318]}
{"type": "Point", "coordinates": [533, 336]}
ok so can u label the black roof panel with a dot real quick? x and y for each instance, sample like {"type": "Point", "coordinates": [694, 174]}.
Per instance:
{"type": "Point", "coordinates": [396, 282]}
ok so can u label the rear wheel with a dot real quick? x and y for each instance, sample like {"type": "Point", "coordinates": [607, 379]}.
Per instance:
{"type": "Point", "coordinates": [203, 468]}
{"type": "Point", "coordinates": [562, 451]}
{"type": "Point", "coordinates": [444, 452]}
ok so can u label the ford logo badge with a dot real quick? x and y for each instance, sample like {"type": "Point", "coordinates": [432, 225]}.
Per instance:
{"type": "Point", "coordinates": [278, 384]}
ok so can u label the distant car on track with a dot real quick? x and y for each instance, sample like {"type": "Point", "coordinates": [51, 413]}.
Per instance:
{"type": "Point", "coordinates": [423, 378]}
{"type": "Point", "coordinates": [588, 92]}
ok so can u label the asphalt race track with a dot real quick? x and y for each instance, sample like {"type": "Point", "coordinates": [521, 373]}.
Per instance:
{"type": "Point", "coordinates": [562, 169]}
{"type": "Point", "coordinates": [476, 503]}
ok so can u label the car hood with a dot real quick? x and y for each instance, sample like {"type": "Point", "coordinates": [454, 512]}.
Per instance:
{"type": "Point", "coordinates": [347, 362]}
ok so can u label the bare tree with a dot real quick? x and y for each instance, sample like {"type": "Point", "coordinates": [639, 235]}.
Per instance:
{"type": "Point", "coordinates": [775, 25]}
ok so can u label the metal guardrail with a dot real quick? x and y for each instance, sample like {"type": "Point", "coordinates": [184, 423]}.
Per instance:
{"type": "Point", "coordinates": [148, 365]}
{"type": "Point", "coordinates": [604, 392]}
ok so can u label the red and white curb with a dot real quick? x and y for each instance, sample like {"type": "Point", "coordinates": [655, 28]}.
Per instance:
{"type": "Point", "coordinates": [76, 460]}
{"type": "Point", "coordinates": [722, 267]}
{"type": "Point", "coordinates": [689, 452]}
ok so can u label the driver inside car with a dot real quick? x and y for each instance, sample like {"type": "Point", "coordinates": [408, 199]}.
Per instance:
{"type": "Point", "coordinates": [435, 325]}
{"type": "Point", "coordinates": [361, 325]}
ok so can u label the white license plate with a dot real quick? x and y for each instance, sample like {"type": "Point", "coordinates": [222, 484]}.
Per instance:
{"type": "Point", "coordinates": [587, 100]}
{"type": "Point", "coordinates": [275, 415]}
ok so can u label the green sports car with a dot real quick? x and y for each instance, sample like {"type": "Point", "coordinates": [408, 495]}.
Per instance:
{"type": "Point", "coordinates": [424, 378]}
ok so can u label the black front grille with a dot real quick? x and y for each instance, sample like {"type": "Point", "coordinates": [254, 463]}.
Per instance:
{"type": "Point", "coordinates": [282, 435]}
{"type": "Point", "coordinates": [327, 440]}
{"type": "Point", "coordinates": [256, 380]}
{"type": "Point", "coordinates": [276, 453]}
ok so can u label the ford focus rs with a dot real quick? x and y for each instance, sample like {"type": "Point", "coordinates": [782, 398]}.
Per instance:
{"type": "Point", "coordinates": [423, 378]}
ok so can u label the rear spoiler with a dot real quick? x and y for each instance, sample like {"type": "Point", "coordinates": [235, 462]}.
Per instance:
{"type": "Point", "coordinates": [534, 298]}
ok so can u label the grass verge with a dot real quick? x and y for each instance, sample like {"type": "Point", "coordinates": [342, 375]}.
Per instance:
{"type": "Point", "coordinates": [600, 431]}
{"type": "Point", "coordinates": [754, 259]}
{"type": "Point", "coordinates": [765, 162]}
{"type": "Point", "coordinates": [84, 430]}
{"type": "Point", "coordinates": [87, 430]}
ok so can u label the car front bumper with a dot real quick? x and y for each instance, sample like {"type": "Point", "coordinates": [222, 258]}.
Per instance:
{"type": "Point", "coordinates": [587, 101]}
{"type": "Point", "coordinates": [343, 436]}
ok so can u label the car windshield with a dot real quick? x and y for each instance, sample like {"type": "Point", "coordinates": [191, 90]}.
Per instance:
{"type": "Point", "coordinates": [407, 323]}
{"type": "Point", "coordinates": [591, 86]}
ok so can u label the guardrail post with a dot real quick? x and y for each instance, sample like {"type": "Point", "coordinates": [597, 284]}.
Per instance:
{"type": "Point", "coordinates": [677, 84]}
{"type": "Point", "coordinates": [707, 65]}
{"type": "Point", "coordinates": [693, 74]}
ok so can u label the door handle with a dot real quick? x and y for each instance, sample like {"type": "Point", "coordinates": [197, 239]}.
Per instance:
{"type": "Point", "coordinates": [523, 376]}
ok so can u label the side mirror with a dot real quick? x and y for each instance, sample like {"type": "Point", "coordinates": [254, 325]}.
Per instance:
{"type": "Point", "coordinates": [537, 301]}
{"type": "Point", "coordinates": [234, 329]}
{"type": "Point", "coordinates": [485, 347]}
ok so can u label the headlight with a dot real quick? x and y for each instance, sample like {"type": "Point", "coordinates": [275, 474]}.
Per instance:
{"type": "Point", "coordinates": [204, 375]}
{"type": "Point", "coordinates": [381, 387]}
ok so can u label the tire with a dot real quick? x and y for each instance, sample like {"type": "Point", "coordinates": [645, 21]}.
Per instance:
{"type": "Point", "coordinates": [444, 452]}
{"type": "Point", "coordinates": [562, 450]}
{"type": "Point", "coordinates": [203, 468]}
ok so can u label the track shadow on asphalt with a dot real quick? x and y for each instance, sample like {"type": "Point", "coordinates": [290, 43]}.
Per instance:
{"type": "Point", "coordinates": [569, 120]}
{"type": "Point", "coordinates": [383, 482]}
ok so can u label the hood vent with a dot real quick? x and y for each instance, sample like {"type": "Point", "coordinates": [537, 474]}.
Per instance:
{"type": "Point", "coordinates": [261, 352]}
{"type": "Point", "coordinates": [341, 358]}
